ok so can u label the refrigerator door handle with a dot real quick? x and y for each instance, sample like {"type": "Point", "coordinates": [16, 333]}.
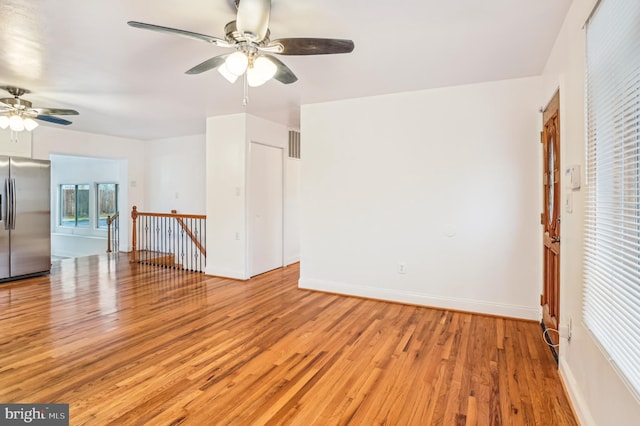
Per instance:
{"type": "Point", "coordinates": [13, 204]}
{"type": "Point", "coordinates": [7, 206]}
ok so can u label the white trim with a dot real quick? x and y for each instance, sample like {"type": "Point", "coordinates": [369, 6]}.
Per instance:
{"type": "Point", "coordinates": [458, 304]}
{"type": "Point", "coordinates": [579, 404]}
{"type": "Point", "coordinates": [226, 273]}
{"type": "Point", "coordinates": [291, 260]}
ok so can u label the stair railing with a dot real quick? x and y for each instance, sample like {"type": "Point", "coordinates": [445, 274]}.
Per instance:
{"type": "Point", "coordinates": [170, 240]}
{"type": "Point", "coordinates": [113, 232]}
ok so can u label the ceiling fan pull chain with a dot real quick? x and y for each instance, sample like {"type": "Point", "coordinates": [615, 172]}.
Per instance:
{"type": "Point", "coordinates": [245, 100]}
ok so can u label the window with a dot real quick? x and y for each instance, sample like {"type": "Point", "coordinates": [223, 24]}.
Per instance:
{"type": "Point", "coordinates": [107, 202]}
{"type": "Point", "coordinates": [611, 307]}
{"type": "Point", "coordinates": [74, 206]}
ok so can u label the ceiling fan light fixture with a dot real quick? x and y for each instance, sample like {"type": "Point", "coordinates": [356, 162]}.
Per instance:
{"type": "Point", "coordinates": [250, 36]}
{"type": "Point", "coordinates": [4, 122]}
{"type": "Point", "coordinates": [237, 63]}
{"type": "Point", "coordinates": [16, 124]}
{"type": "Point", "coordinates": [30, 124]}
{"type": "Point", "coordinates": [262, 71]}
{"type": "Point", "coordinates": [228, 75]}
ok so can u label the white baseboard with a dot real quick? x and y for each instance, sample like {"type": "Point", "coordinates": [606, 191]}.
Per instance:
{"type": "Point", "coordinates": [392, 295]}
{"type": "Point", "coordinates": [226, 273]}
{"type": "Point", "coordinates": [579, 405]}
{"type": "Point", "coordinates": [291, 260]}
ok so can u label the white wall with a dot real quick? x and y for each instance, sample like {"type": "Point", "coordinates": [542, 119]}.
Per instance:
{"type": "Point", "coordinates": [228, 141]}
{"type": "Point", "coordinates": [175, 175]}
{"type": "Point", "coordinates": [67, 169]}
{"type": "Point", "coordinates": [49, 140]}
{"type": "Point", "coordinates": [446, 181]}
{"type": "Point", "coordinates": [291, 210]}
{"type": "Point", "coordinates": [599, 395]}
{"type": "Point", "coordinates": [226, 149]}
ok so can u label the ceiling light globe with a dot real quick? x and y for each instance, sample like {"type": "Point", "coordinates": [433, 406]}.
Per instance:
{"type": "Point", "coordinates": [253, 78]}
{"type": "Point", "coordinates": [224, 71]}
{"type": "Point", "coordinates": [30, 124]}
{"type": "Point", "coordinates": [265, 68]}
{"type": "Point", "coordinates": [15, 123]}
{"type": "Point", "coordinates": [262, 71]}
{"type": "Point", "coordinates": [4, 121]}
{"type": "Point", "coordinates": [237, 63]}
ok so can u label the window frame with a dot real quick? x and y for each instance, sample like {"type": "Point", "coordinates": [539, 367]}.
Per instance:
{"type": "Point", "coordinates": [97, 202]}
{"type": "Point", "coordinates": [76, 186]}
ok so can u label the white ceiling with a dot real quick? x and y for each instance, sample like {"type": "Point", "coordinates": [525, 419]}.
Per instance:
{"type": "Point", "coordinates": [129, 82]}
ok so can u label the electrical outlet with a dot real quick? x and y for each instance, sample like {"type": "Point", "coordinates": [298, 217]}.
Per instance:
{"type": "Point", "coordinates": [402, 268]}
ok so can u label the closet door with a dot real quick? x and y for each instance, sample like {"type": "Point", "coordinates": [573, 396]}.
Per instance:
{"type": "Point", "coordinates": [265, 208]}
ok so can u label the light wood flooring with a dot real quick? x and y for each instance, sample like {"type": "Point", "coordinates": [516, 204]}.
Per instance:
{"type": "Point", "coordinates": [127, 345]}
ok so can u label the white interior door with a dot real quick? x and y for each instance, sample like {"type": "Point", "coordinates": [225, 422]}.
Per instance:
{"type": "Point", "coordinates": [265, 208]}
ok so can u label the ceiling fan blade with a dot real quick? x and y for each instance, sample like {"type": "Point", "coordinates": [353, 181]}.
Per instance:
{"type": "Point", "coordinates": [253, 18]}
{"type": "Point", "coordinates": [52, 119]}
{"type": "Point", "coordinates": [209, 64]}
{"type": "Point", "coordinates": [283, 74]}
{"type": "Point", "coordinates": [196, 36]}
{"type": "Point", "coordinates": [313, 46]}
{"type": "Point", "coordinates": [54, 111]}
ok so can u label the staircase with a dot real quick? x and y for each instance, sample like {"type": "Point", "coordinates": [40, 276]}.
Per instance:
{"type": "Point", "coordinates": [169, 240]}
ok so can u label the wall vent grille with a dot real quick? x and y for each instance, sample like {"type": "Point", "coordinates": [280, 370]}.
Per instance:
{"type": "Point", "coordinates": [294, 144]}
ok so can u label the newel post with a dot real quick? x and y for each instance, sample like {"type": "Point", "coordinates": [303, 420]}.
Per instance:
{"type": "Point", "coordinates": [134, 238]}
{"type": "Point", "coordinates": [108, 234]}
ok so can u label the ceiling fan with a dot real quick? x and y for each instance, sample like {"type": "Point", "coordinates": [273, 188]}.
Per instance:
{"type": "Point", "coordinates": [249, 35]}
{"type": "Point", "coordinates": [18, 114]}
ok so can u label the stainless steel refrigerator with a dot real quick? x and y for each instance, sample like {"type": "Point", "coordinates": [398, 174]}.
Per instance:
{"type": "Point", "coordinates": [25, 224]}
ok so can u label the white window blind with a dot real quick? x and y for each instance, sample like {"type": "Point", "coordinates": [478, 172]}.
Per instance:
{"type": "Point", "coordinates": [611, 307]}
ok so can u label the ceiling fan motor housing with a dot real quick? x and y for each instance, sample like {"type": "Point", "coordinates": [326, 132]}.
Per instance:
{"type": "Point", "coordinates": [232, 35]}
{"type": "Point", "coordinates": [16, 91]}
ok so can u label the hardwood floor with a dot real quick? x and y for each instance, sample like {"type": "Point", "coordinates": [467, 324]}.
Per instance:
{"type": "Point", "coordinates": [126, 344]}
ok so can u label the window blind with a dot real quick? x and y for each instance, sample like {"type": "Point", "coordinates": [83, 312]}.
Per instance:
{"type": "Point", "coordinates": [611, 308]}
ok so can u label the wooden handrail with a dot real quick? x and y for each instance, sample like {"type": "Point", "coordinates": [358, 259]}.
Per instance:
{"type": "Point", "coordinates": [110, 220]}
{"type": "Point", "coordinates": [175, 215]}
{"type": "Point", "coordinates": [188, 231]}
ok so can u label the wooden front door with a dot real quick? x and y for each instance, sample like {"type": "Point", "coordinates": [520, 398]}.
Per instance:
{"type": "Point", "coordinates": [551, 216]}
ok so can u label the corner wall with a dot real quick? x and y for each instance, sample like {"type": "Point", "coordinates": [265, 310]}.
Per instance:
{"type": "Point", "coordinates": [599, 395]}
{"type": "Point", "coordinates": [226, 196]}
{"type": "Point", "coordinates": [428, 197]}
{"type": "Point", "coordinates": [228, 141]}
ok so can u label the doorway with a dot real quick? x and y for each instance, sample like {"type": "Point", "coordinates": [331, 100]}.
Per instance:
{"type": "Point", "coordinates": [265, 208]}
{"type": "Point", "coordinates": [551, 219]}
{"type": "Point", "coordinates": [78, 227]}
